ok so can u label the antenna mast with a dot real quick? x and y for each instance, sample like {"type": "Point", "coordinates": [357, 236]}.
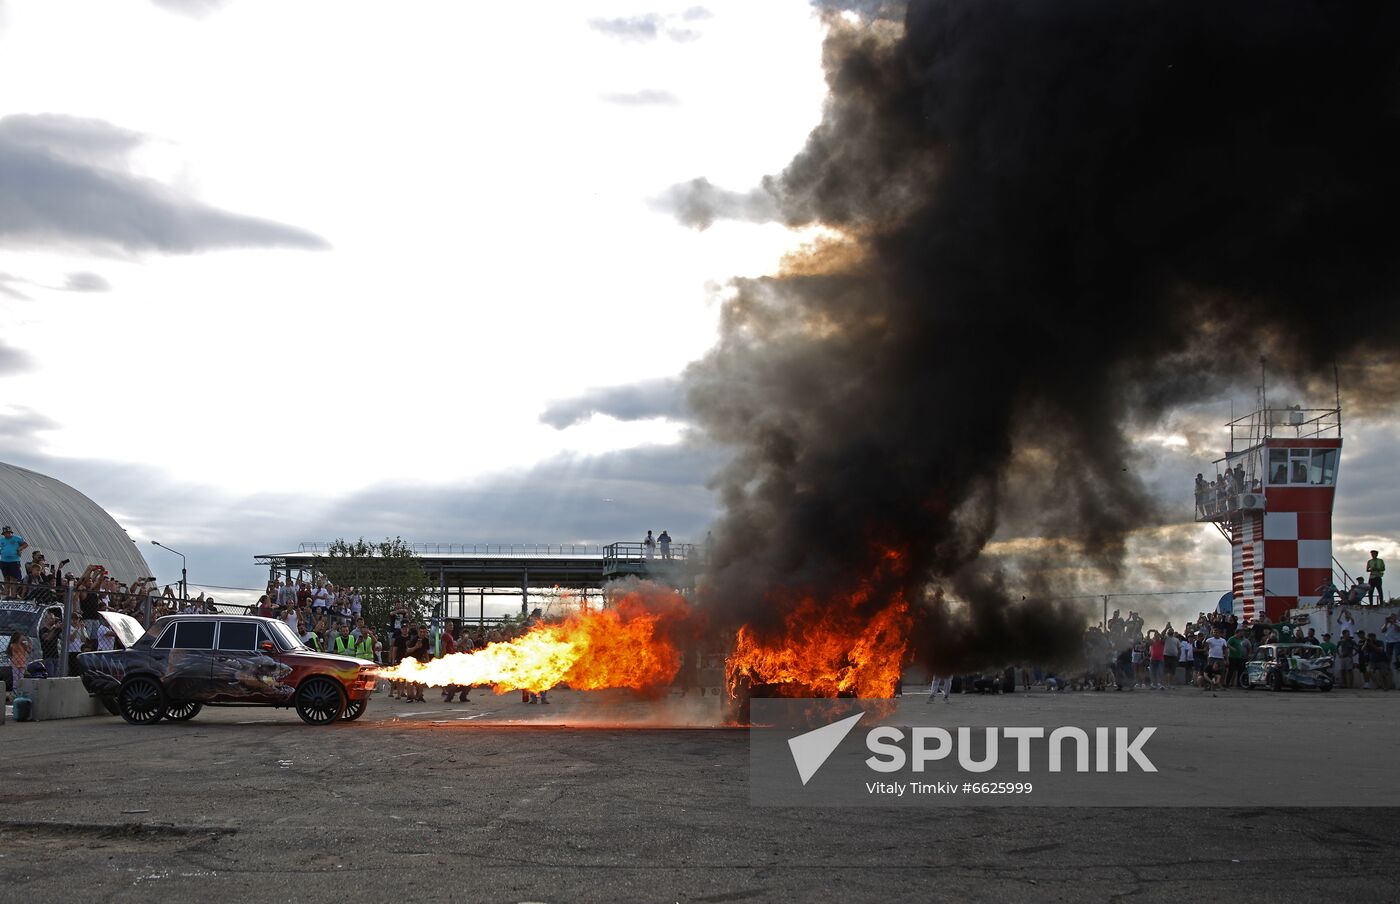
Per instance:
{"type": "Point", "coordinates": [1337, 385]}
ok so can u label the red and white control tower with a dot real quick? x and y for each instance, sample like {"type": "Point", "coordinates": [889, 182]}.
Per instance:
{"type": "Point", "coordinates": [1271, 497]}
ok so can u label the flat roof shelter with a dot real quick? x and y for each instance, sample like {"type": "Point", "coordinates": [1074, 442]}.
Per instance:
{"type": "Point", "coordinates": [468, 573]}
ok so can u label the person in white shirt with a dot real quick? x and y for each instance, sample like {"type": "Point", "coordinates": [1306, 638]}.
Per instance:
{"type": "Point", "coordinates": [1216, 648]}
{"type": "Point", "coordinates": [1171, 653]}
{"type": "Point", "coordinates": [291, 619]}
{"type": "Point", "coordinates": [321, 599]}
{"type": "Point", "coordinates": [1390, 635]}
{"type": "Point", "coordinates": [106, 637]}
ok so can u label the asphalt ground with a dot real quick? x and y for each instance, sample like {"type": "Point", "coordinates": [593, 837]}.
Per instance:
{"type": "Point", "coordinates": [504, 802]}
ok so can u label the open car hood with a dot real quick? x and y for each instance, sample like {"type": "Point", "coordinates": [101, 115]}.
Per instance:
{"type": "Point", "coordinates": [127, 629]}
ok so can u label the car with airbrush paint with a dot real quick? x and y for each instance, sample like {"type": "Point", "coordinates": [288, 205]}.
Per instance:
{"type": "Point", "coordinates": [1297, 665]}
{"type": "Point", "coordinates": [186, 662]}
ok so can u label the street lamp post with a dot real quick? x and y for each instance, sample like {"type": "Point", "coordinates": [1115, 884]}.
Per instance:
{"type": "Point", "coordinates": [184, 592]}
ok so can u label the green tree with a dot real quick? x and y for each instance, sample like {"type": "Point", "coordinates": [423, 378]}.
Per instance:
{"type": "Point", "coordinates": [385, 574]}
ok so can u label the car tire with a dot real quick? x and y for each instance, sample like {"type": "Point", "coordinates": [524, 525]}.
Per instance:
{"type": "Point", "coordinates": [1276, 681]}
{"type": "Point", "coordinates": [1325, 686]}
{"type": "Point", "coordinates": [354, 709]}
{"type": "Point", "coordinates": [1246, 683]}
{"type": "Point", "coordinates": [183, 711]}
{"type": "Point", "coordinates": [110, 704]}
{"type": "Point", "coordinates": [320, 701]}
{"type": "Point", "coordinates": [141, 700]}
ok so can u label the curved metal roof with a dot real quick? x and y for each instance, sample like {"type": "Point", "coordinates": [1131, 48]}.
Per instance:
{"type": "Point", "coordinates": [62, 523]}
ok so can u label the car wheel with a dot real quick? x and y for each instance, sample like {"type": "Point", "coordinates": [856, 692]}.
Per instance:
{"type": "Point", "coordinates": [1246, 683]}
{"type": "Point", "coordinates": [141, 701]}
{"type": "Point", "coordinates": [183, 711]}
{"type": "Point", "coordinates": [110, 704]}
{"type": "Point", "coordinates": [355, 709]}
{"type": "Point", "coordinates": [1276, 681]}
{"type": "Point", "coordinates": [1325, 686]}
{"type": "Point", "coordinates": [320, 701]}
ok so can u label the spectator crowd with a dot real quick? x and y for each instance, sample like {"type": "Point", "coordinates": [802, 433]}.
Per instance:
{"type": "Point", "coordinates": [1209, 653]}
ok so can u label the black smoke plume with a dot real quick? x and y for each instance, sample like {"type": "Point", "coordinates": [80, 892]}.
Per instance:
{"type": "Point", "coordinates": [1051, 222]}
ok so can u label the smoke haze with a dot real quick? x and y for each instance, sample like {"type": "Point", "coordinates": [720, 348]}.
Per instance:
{"type": "Point", "coordinates": [1053, 222]}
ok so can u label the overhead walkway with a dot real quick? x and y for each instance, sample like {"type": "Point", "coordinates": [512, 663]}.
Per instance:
{"type": "Point", "coordinates": [466, 573]}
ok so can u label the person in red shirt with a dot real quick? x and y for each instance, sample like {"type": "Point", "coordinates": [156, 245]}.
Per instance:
{"type": "Point", "coordinates": [1157, 653]}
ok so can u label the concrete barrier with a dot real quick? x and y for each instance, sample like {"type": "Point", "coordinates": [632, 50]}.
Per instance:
{"type": "Point", "coordinates": [60, 698]}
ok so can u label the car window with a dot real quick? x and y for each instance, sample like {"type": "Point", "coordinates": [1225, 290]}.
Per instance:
{"type": "Point", "coordinates": [238, 636]}
{"type": "Point", "coordinates": [167, 640]}
{"type": "Point", "coordinates": [194, 635]}
{"type": "Point", "coordinates": [17, 618]}
{"type": "Point", "coordinates": [287, 640]}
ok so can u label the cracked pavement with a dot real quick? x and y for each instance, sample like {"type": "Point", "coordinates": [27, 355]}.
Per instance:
{"type": "Point", "coordinates": [496, 801]}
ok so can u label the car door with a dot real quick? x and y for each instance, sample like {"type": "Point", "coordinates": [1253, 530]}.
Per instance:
{"type": "Point", "coordinates": [245, 669]}
{"type": "Point", "coordinates": [191, 655]}
{"type": "Point", "coordinates": [235, 663]}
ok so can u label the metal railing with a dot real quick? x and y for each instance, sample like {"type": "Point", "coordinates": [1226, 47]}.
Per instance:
{"type": "Point", "coordinates": [639, 553]}
{"type": "Point", "coordinates": [484, 549]}
{"type": "Point", "coordinates": [1291, 423]}
{"type": "Point", "coordinates": [1212, 506]}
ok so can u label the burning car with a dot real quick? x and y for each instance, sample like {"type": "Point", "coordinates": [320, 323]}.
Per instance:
{"type": "Point", "coordinates": [185, 662]}
{"type": "Point", "coordinates": [1281, 665]}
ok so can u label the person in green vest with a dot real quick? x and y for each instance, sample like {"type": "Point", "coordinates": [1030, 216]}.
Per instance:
{"type": "Point", "coordinates": [367, 646]}
{"type": "Point", "coordinates": [344, 644]}
{"type": "Point", "coordinates": [1375, 570]}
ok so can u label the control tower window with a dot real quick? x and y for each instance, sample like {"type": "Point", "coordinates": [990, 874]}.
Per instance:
{"type": "Point", "coordinates": [1323, 471]}
{"type": "Point", "coordinates": [1298, 465]}
{"type": "Point", "coordinates": [1278, 466]}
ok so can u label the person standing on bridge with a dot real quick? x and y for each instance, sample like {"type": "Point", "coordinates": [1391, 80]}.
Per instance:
{"type": "Point", "coordinates": [650, 545]}
{"type": "Point", "coordinates": [664, 541]}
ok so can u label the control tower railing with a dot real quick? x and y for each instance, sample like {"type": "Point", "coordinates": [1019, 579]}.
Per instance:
{"type": "Point", "coordinates": [1289, 423]}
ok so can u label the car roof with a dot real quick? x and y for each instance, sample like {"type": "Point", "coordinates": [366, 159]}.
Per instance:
{"type": "Point", "coordinates": [215, 616]}
{"type": "Point", "coordinates": [30, 605]}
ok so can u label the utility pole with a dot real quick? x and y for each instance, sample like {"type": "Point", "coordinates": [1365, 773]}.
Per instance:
{"type": "Point", "coordinates": [184, 575]}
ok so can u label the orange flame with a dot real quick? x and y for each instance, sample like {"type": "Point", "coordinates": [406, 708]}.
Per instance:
{"type": "Point", "coordinates": [826, 653]}
{"type": "Point", "coordinates": [828, 648]}
{"type": "Point", "coordinates": [625, 645]}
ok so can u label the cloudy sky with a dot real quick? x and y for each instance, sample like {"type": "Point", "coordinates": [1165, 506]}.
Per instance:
{"type": "Point", "coordinates": [274, 272]}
